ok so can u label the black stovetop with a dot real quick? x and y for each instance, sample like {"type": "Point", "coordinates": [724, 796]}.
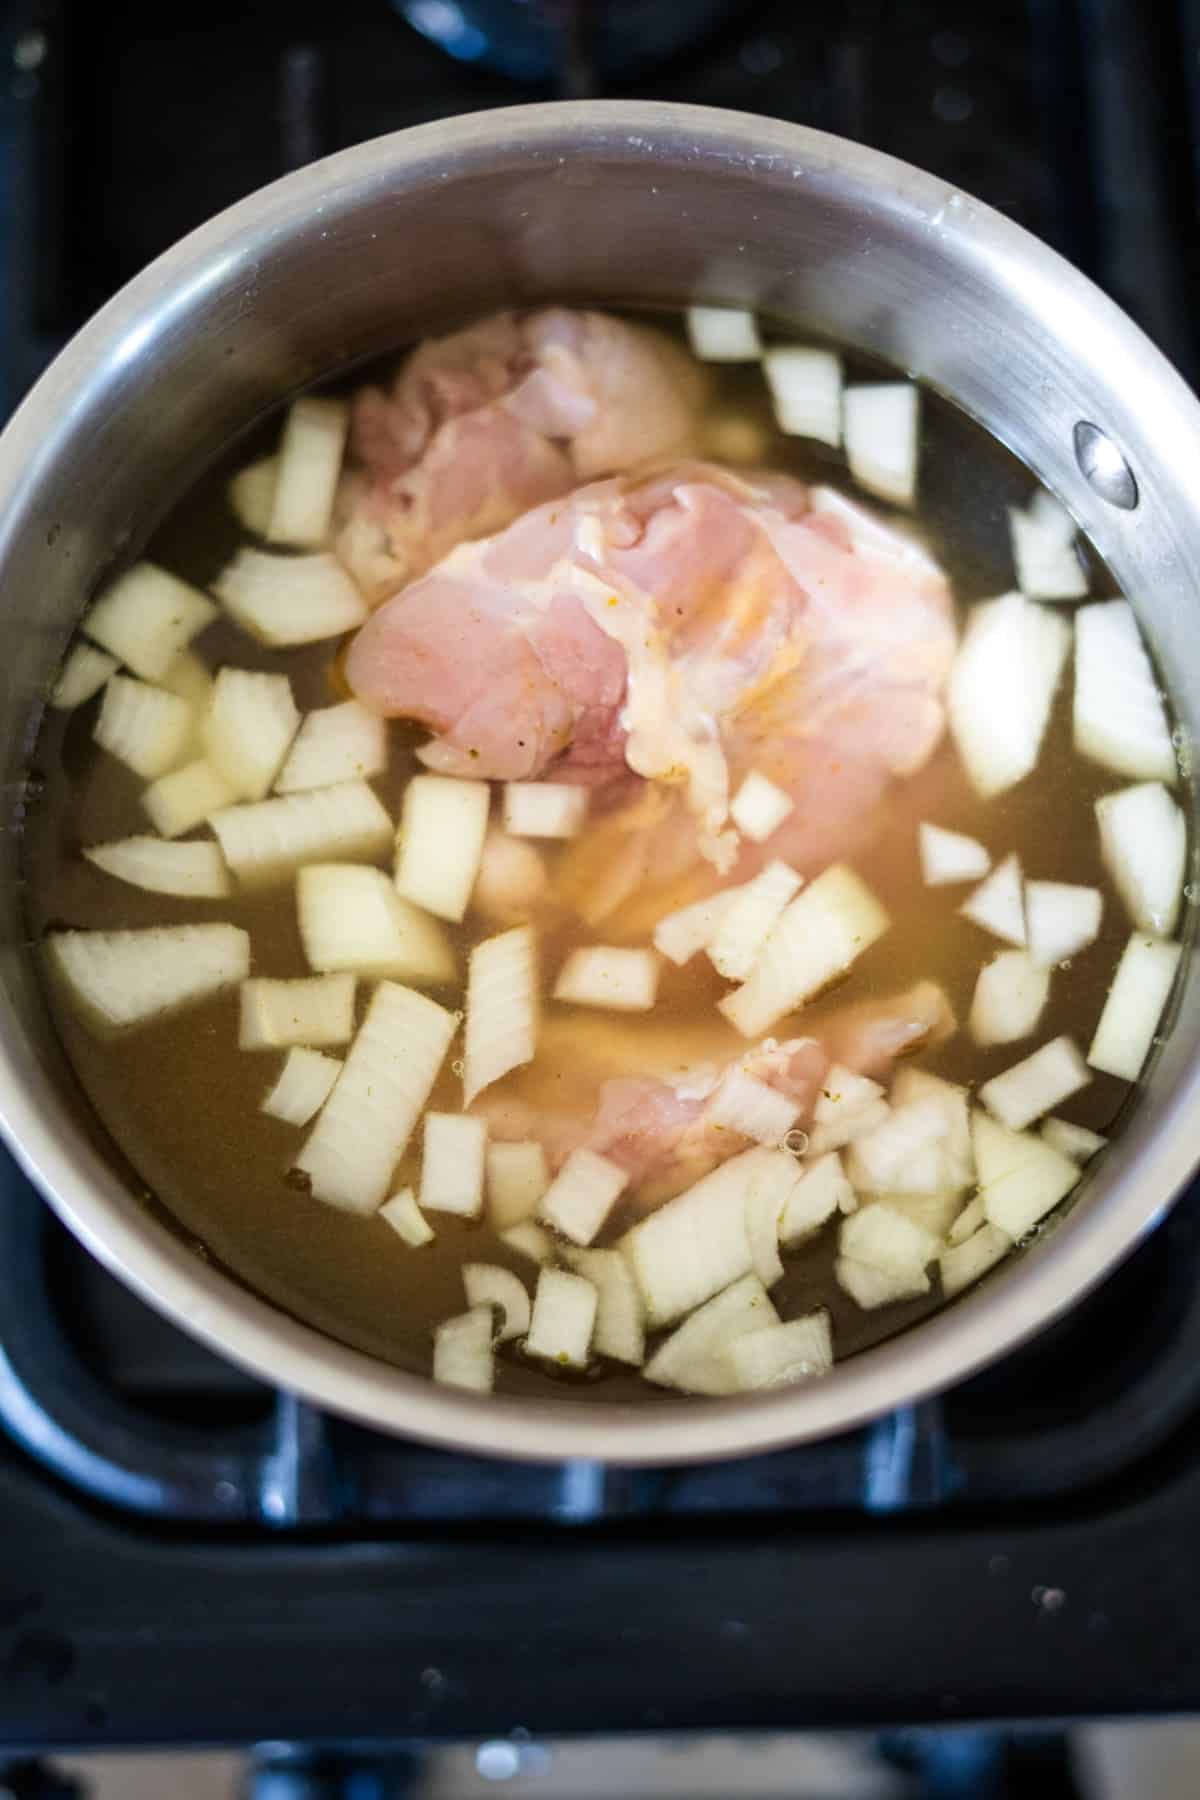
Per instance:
{"type": "Point", "coordinates": [186, 1555]}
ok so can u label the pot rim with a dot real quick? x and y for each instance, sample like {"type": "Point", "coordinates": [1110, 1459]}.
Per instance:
{"type": "Point", "coordinates": [1018, 1299]}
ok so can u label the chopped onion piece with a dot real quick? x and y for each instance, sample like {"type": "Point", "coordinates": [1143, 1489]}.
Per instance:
{"type": "Point", "coordinates": [286, 600]}
{"type": "Point", "coordinates": [818, 1196]}
{"type": "Point", "coordinates": [185, 798]}
{"type": "Point", "coordinates": [759, 807]}
{"type": "Point", "coordinates": [249, 726]}
{"type": "Point", "coordinates": [189, 678]}
{"type": "Point", "coordinates": [848, 1105]}
{"type": "Point", "coordinates": [694, 1245]}
{"type": "Point", "coordinates": [1120, 719]}
{"type": "Point", "coordinates": [969, 1219]}
{"type": "Point", "coordinates": [564, 1318]}
{"type": "Point", "coordinates": [406, 1219]}
{"type": "Point", "coordinates": [305, 1083]}
{"type": "Point", "coordinates": [752, 1108]}
{"type": "Point", "coordinates": [337, 743]}
{"type": "Point", "coordinates": [1031, 1087]}
{"type": "Point", "coordinates": [1021, 1177]}
{"type": "Point", "coordinates": [826, 928]}
{"type": "Point", "coordinates": [146, 617]}
{"type": "Point", "coordinates": [582, 1195]}
{"type": "Point", "coordinates": [870, 1287]}
{"type": "Point", "coordinates": [887, 1240]}
{"type": "Point", "coordinates": [268, 840]}
{"type": "Point", "coordinates": [948, 856]}
{"type": "Point", "coordinates": [723, 334]}
{"type": "Point", "coordinates": [196, 870]}
{"type": "Point", "coordinates": [512, 879]}
{"type": "Point", "coordinates": [530, 1240]}
{"type": "Point", "coordinates": [880, 421]}
{"type": "Point", "coordinates": [544, 809]}
{"type": "Point", "coordinates": [1010, 998]}
{"type": "Point", "coordinates": [780, 1354]}
{"type": "Point", "coordinates": [891, 1156]}
{"type": "Point", "coordinates": [517, 1177]}
{"type": "Point", "coordinates": [1002, 686]}
{"type": "Point", "coordinates": [749, 920]}
{"type": "Point", "coordinates": [82, 675]}
{"type": "Point", "coordinates": [697, 1358]}
{"type": "Point", "coordinates": [487, 1284]}
{"type": "Point", "coordinates": [452, 1164]}
{"type": "Point", "coordinates": [955, 1151]}
{"type": "Point", "coordinates": [1143, 840]}
{"type": "Point", "coordinates": [120, 978]}
{"type": "Point", "coordinates": [315, 1010]}
{"type": "Point", "coordinates": [964, 1263]}
{"type": "Point", "coordinates": [771, 1184]}
{"type": "Point", "coordinates": [307, 469]}
{"type": "Point", "coordinates": [846, 1128]}
{"type": "Point", "coordinates": [1075, 1141]}
{"type": "Point", "coordinates": [462, 1351]}
{"type": "Point", "coordinates": [998, 905]}
{"type": "Point", "coordinates": [353, 921]}
{"type": "Point", "coordinates": [620, 1323]}
{"type": "Point", "coordinates": [1062, 919]}
{"type": "Point", "coordinates": [1043, 547]}
{"type": "Point", "coordinates": [144, 727]}
{"type": "Point", "coordinates": [441, 842]}
{"type": "Point", "coordinates": [683, 934]}
{"type": "Point", "coordinates": [251, 494]}
{"type": "Point", "coordinates": [502, 1008]}
{"type": "Point", "coordinates": [933, 1212]}
{"type": "Point", "coordinates": [365, 1125]}
{"type": "Point", "coordinates": [806, 392]}
{"type": "Point", "coordinates": [1139, 993]}
{"type": "Point", "coordinates": [609, 976]}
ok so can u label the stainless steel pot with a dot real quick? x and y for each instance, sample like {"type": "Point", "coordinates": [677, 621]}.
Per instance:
{"type": "Point", "coordinates": [604, 202]}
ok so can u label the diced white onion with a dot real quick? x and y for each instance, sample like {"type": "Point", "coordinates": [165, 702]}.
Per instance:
{"type": "Point", "coordinates": [1010, 998]}
{"type": "Point", "coordinates": [964, 1263]}
{"type": "Point", "coordinates": [582, 1195]}
{"type": "Point", "coordinates": [146, 617]}
{"type": "Point", "coordinates": [502, 1008]}
{"type": "Point", "coordinates": [486, 1284]}
{"type": "Point", "coordinates": [610, 976]}
{"type": "Point", "coordinates": [934, 1212]}
{"type": "Point", "coordinates": [887, 1240]}
{"type": "Point", "coordinates": [517, 1177]}
{"type": "Point", "coordinates": [818, 1196]}
{"type": "Point", "coordinates": [752, 1108]}
{"type": "Point", "coordinates": [1002, 686]}
{"type": "Point", "coordinates": [781, 1354]}
{"type": "Point", "coordinates": [249, 726]}
{"type": "Point", "coordinates": [848, 1105]}
{"type": "Point", "coordinates": [407, 1220]}
{"type": "Point", "coordinates": [83, 674]}
{"type": "Point", "coordinates": [881, 421]}
{"type": "Point", "coordinates": [1120, 718]}
{"type": "Point", "coordinates": [771, 1182]}
{"type": "Point", "coordinates": [462, 1351]}
{"type": "Point", "coordinates": [694, 1245]}
{"type": "Point", "coordinates": [822, 932]}
{"type": "Point", "coordinates": [337, 743]}
{"type": "Point", "coordinates": [1021, 1176]}
{"type": "Point", "coordinates": [1075, 1141]}
{"type": "Point", "coordinates": [544, 809]}
{"type": "Point", "coordinates": [195, 870]}
{"type": "Point", "coordinates": [696, 1358]}
{"type": "Point", "coordinates": [144, 727]}
{"type": "Point", "coordinates": [620, 1330]}
{"type": "Point", "coordinates": [683, 934]}
{"type": "Point", "coordinates": [315, 1010]}
{"type": "Point", "coordinates": [307, 469]}
{"type": "Point", "coordinates": [1143, 840]}
{"type": "Point", "coordinates": [528, 1239]}
{"type": "Point", "coordinates": [806, 392]}
{"type": "Point", "coordinates": [1062, 919]}
{"type": "Point", "coordinates": [846, 1128]}
{"type": "Point", "coordinates": [189, 677]}
{"type": "Point", "coordinates": [512, 879]}
{"type": "Point", "coordinates": [251, 494]}
{"type": "Point", "coordinates": [452, 1164]}
{"type": "Point", "coordinates": [759, 807]}
{"type": "Point", "coordinates": [955, 1151]}
{"type": "Point", "coordinates": [749, 920]}
{"type": "Point", "coordinates": [948, 856]}
{"type": "Point", "coordinates": [365, 1125]}
{"type": "Point", "coordinates": [1134, 1007]}
{"type": "Point", "coordinates": [998, 905]}
{"type": "Point", "coordinates": [120, 978]}
{"type": "Point", "coordinates": [1036, 1084]}
{"type": "Point", "coordinates": [564, 1319]}
{"type": "Point", "coordinates": [441, 842]}
{"type": "Point", "coordinates": [893, 1156]}
{"type": "Point", "coordinates": [305, 1083]}
{"type": "Point", "coordinates": [1044, 555]}
{"type": "Point", "coordinates": [268, 840]}
{"type": "Point", "coordinates": [185, 798]}
{"type": "Point", "coordinates": [287, 600]}
{"type": "Point", "coordinates": [723, 334]}
{"type": "Point", "coordinates": [353, 921]}
{"type": "Point", "coordinates": [870, 1287]}
{"type": "Point", "coordinates": [969, 1219]}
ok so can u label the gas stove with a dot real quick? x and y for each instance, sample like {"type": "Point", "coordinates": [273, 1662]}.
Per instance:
{"type": "Point", "coordinates": [188, 1556]}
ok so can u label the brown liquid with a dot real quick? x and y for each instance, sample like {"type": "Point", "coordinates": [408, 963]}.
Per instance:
{"type": "Point", "coordinates": [182, 1101]}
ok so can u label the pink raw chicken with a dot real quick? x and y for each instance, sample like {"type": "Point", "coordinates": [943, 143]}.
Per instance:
{"type": "Point", "coordinates": [482, 425]}
{"type": "Point", "coordinates": [686, 627]}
